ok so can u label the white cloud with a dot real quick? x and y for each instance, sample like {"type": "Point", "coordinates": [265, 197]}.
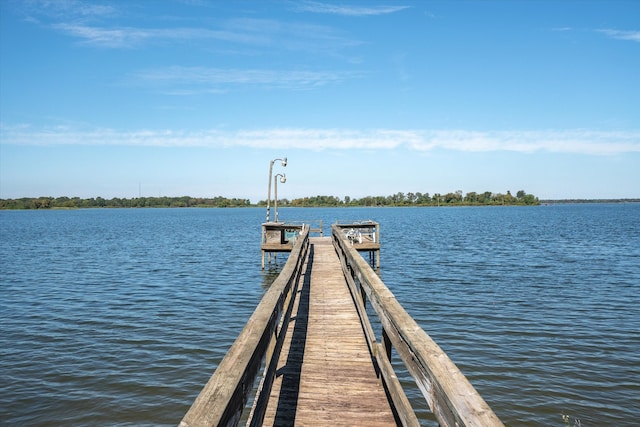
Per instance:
{"type": "Point", "coordinates": [254, 32]}
{"type": "Point", "coordinates": [554, 141]}
{"type": "Point", "coordinates": [245, 32]}
{"type": "Point", "coordinates": [101, 37]}
{"type": "Point", "coordinates": [93, 25]}
{"type": "Point", "coordinates": [75, 9]}
{"type": "Point", "coordinates": [80, 20]}
{"type": "Point", "coordinates": [208, 79]}
{"type": "Point", "coordinates": [335, 9]}
{"type": "Point", "coordinates": [128, 37]}
{"type": "Point", "coordinates": [622, 35]}
{"type": "Point", "coordinates": [294, 36]}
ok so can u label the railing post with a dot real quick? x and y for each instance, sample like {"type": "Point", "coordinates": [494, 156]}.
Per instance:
{"type": "Point", "coordinates": [363, 296]}
{"type": "Point", "coordinates": [386, 342]}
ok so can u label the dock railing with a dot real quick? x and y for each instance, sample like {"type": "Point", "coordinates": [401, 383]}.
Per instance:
{"type": "Point", "coordinates": [223, 398]}
{"type": "Point", "coordinates": [450, 396]}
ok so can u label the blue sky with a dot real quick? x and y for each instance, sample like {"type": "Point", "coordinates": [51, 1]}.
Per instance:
{"type": "Point", "coordinates": [195, 97]}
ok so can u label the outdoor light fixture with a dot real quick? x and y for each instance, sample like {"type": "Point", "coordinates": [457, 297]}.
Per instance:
{"type": "Point", "coordinates": [284, 163]}
{"type": "Point", "coordinates": [283, 179]}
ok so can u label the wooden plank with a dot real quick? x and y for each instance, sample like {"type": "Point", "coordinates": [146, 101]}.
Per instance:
{"type": "Point", "coordinates": [326, 374]}
{"type": "Point", "coordinates": [277, 247]}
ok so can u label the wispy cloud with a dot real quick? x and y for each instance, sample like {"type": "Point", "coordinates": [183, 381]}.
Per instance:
{"type": "Point", "coordinates": [248, 32]}
{"type": "Point", "coordinates": [68, 9]}
{"type": "Point", "coordinates": [105, 37]}
{"type": "Point", "coordinates": [205, 79]}
{"type": "Point", "coordinates": [130, 37]}
{"type": "Point", "coordinates": [622, 35]}
{"type": "Point", "coordinates": [346, 10]}
{"type": "Point", "coordinates": [295, 36]}
{"type": "Point", "coordinates": [92, 25]}
{"type": "Point", "coordinates": [554, 141]}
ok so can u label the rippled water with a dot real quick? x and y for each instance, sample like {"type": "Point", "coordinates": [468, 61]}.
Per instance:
{"type": "Point", "coordinates": [118, 317]}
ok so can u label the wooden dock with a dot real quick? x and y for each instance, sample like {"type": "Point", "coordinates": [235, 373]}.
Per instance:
{"type": "Point", "coordinates": [309, 356]}
{"type": "Point", "coordinates": [325, 373]}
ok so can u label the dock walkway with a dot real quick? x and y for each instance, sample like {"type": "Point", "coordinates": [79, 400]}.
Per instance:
{"type": "Point", "coordinates": [327, 376]}
{"type": "Point", "coordinates": [318, 359]}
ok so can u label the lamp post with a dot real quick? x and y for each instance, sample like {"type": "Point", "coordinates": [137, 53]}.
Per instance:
{"type": "Point", "coordinates": [284, 164]}
{"type": "Point", "coordinates": [283, 179]}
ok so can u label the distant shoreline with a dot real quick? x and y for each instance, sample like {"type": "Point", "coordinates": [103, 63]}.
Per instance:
{"type": "Point", "coordinates": [585, 201]}
{"type": "Point", "coordinates": [398, 200]}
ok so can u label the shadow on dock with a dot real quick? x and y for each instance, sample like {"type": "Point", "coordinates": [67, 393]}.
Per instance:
{"type": "Point", "coordinates": [291, 372]}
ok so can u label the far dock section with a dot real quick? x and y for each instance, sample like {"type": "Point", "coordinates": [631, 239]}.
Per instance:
{"type": "Point", "coordinates": [310, 356]}
{"type": "Point", "coordinates": [281, 236]}
{"type": "Point", "coordinates": [363, 236]}
{"type": "Point", "coordinates": [278, 237]}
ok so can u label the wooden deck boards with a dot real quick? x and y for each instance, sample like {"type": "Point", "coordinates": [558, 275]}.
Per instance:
{"type": "Point", "coordinates": [325, 373]}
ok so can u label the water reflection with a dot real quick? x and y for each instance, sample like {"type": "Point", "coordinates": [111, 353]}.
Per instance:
{"type": "Point", "coordinates": [270, 273]}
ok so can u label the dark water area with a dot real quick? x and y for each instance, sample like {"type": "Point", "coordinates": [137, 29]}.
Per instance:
{"type": "Point", "coordinates": [119, 317]}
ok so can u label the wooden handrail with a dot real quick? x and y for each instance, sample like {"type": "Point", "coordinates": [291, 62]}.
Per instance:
{"type": "Point", "coordinates": [398, 398]}
{"type": "Point", "coordinates": [221, 401]}
{"type": "Point", "coordinates": [451, 397]}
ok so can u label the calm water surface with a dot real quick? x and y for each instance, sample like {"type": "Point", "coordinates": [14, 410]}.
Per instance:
{"type": "Point", "coordinates": [118, 317]}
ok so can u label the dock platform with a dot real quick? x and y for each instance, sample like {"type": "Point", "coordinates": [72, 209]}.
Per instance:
{"type": "Point", "coordinates": [325, 373]}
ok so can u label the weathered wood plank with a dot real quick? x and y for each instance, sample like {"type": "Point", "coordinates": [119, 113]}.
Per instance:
{"type": "Point", "coordinates": [277, 247]}
{"type": "Point", "coordinates": [328, 376]}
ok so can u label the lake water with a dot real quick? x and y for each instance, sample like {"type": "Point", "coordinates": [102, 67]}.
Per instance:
{"type": "Point", "coordinates": [119, 317]}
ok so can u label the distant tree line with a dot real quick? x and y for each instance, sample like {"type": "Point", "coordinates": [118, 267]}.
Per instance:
{"type": "Point", "coordinates": [418, 199]}
{"type": "Point", "coordinates": [116, 202]}
{"type": "Point", "coordinates": [399, 199]}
